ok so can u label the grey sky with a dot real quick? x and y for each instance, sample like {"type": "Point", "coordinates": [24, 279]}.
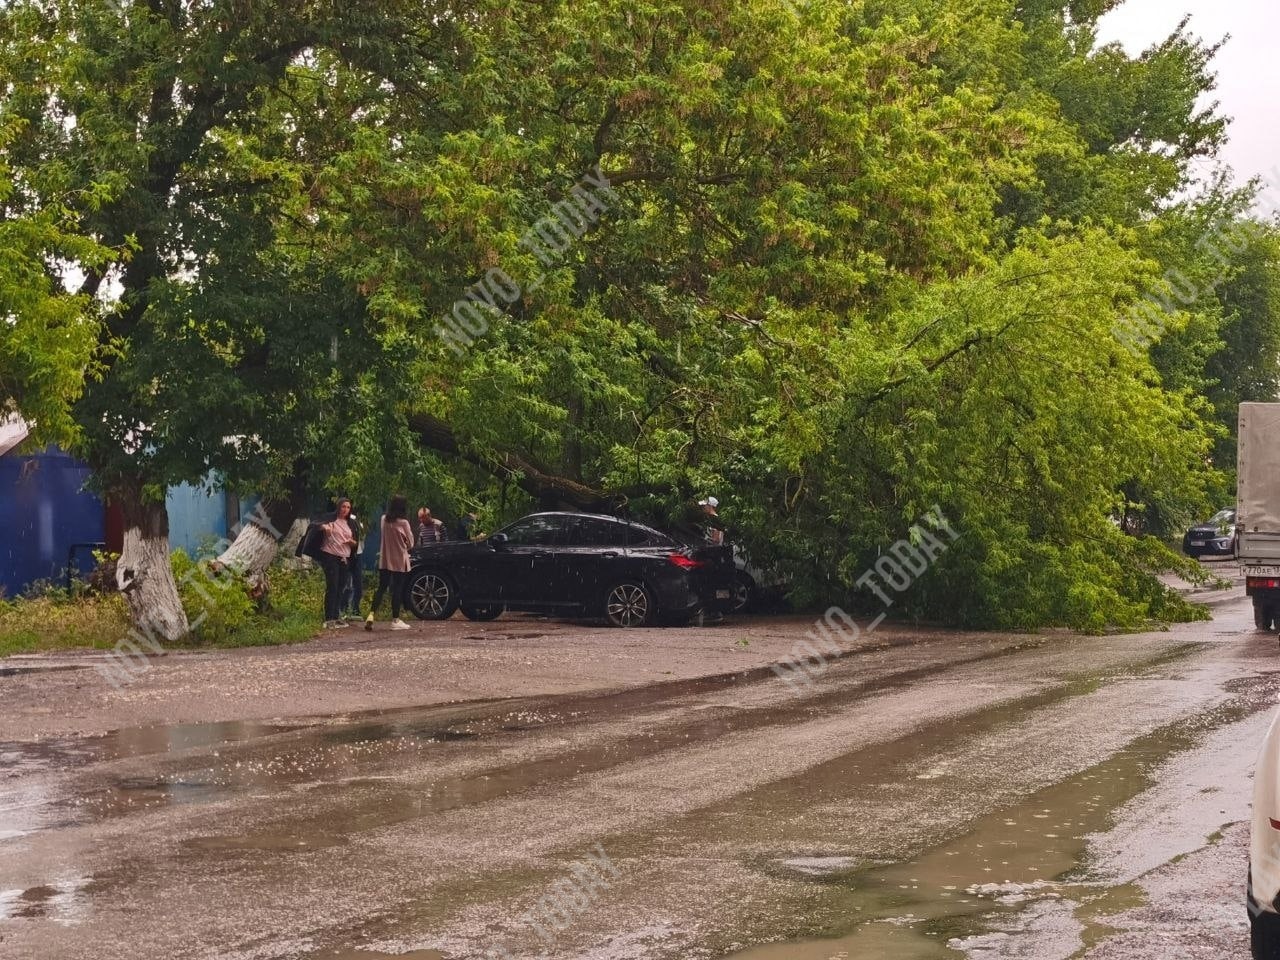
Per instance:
{"type": "Point", "coordinates": [1248, 66]}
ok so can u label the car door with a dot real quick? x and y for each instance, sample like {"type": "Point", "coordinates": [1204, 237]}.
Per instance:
{"type": "Point", "coordinates": [525, 564]}
{"type": "Point", "coordinates": [588, 562]}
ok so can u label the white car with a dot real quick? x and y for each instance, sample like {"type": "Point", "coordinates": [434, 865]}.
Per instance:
{"type": "Point", "coordinates": [752, 585]}
{"type": "Point", "coordinates": [1264, 851]}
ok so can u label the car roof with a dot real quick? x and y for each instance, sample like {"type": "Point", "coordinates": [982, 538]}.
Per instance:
{"type": "Point", "coordinates": [593, 516]}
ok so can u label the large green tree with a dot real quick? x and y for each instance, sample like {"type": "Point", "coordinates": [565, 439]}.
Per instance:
{"type": "Point", "coordinates": [837, 261]}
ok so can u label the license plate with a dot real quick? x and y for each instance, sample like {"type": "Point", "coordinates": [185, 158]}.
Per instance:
{"type": "Point", "coordinates": [722, 594]}
{"type": "Point", "coordinates": [1197, 543]}
{"type": "Point", "coordinates": [1261, 571]}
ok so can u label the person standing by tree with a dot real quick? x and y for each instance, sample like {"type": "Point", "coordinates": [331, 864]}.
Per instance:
{"type": "Point", "coordinates": [353, 588]}
{"type": "Point", "coordinates": [430, 530]}
{"type": "Point", "coordinates": [466, 529]}
{"type": "Point", "coordinates": [713, 526]}
{"type": "Point", "coordinates": [334, 557]}
{"type": "Point", "coordinates": [393, 561]}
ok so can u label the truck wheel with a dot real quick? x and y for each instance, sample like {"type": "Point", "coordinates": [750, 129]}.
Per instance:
{"type": "Point", "coordinates": [1264, 617]}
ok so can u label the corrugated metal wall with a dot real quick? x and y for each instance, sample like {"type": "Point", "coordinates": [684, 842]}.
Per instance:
{"type": "Point", "coordinates": [43, 510]}
{"type": "Point", "coordinates": [196, 517]}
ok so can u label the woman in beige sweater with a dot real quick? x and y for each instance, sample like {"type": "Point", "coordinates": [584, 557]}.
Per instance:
{"type": "Point", "coordinates": [393, 561]}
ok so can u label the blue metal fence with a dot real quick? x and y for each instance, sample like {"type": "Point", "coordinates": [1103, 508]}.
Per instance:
{"type": "Point", "coordinates": [44, 509]}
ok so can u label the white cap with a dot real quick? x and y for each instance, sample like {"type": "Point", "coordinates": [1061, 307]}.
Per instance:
{"type": "Point", "coordinates": [709, 502]}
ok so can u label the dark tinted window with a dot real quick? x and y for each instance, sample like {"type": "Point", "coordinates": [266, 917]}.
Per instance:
{"type": "Point", "coordinates": [536, 532]}
{"type": "Point", "coordinates": [593, 532]}
{"type": "Point", "coordinates": [600, 532]}
{"type": "Point", "coordinates": [640, 536]}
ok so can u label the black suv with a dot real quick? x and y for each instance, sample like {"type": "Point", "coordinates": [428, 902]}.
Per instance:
{"type": "Point", "coordinates": [1214, 537]}
{"type": "Point", "coordinates": [575, 564]}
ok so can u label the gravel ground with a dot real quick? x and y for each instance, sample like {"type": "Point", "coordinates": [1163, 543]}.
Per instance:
{"type": "Point", "coordinates": [933, 794]}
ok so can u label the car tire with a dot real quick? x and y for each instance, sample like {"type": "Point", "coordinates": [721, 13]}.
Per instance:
{"type": "Point", "coordinates": [431, 595]}
{"type": "Point", "coordinates": [743, 592]}
{"type": "Point", "coordinates": [489, 611]}
{"type": "Point", "coordinates": [1264, 615]}
{"type": "Point", "coordinates": [1264, 933]}
{"type": "Point", "coordinates": [629, 604]}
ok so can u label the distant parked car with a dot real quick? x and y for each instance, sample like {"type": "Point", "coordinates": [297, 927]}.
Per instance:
{"type": "Point", "coordinates": [1214, 537]}
{"type": "Point", "coordinates": [573, 564]}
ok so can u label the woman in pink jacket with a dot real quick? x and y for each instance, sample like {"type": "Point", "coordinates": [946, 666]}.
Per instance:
{"type": "Point", "coordinates": [393, 561]}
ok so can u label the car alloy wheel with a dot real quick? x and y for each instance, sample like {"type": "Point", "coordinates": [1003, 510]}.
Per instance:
{"type": "Point", "coordinates": [628, 605]}
{"type": "Point", "coordinates": [432, 597]}
{"type": "Point", "coordinates": [741, 596]}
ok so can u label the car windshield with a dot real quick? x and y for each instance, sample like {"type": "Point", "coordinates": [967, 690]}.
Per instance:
{"type": "Point", "coordinates": [1223, 516]}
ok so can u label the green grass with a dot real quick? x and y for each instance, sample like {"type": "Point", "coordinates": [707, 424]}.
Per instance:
{"type": "Point", "coordinates": [58, 621]}
{"type": "Point", "coordinates": [55, 622]}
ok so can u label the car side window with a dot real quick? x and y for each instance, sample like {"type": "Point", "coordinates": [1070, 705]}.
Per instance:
{"type": "Point", "coordinates": [647, 537]}
{"type": "Point", "coordinates": [536, 532]}
{"type": "Point", "coordinates": [592, 532]}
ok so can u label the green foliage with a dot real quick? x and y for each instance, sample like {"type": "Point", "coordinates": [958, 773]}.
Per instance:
{"type": "Point", "coordinates": [854, 260]}
{"type": "Point", "coordinates": [55, 621]}
{"type": "Point", "coordinates": [29, 625]}
{"type": "Point", "coordinates": [47, 335]}
{"type": "Point", "coordinates": [216, 601]}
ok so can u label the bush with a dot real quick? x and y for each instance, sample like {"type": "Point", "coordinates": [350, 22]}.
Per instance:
{"type": "Point", "coordinates": [216, 600]}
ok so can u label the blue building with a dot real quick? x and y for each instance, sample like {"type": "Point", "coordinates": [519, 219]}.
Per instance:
{"type": "Point", "coordinates": [49, 520]}
{"type": "Point", "coordinates": [44, 513]}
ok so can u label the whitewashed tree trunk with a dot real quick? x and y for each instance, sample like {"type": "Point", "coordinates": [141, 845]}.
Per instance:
{"type": "Point", "coordinates": [290, 542]}
{"type": "Point", "coordinates": [143, 574]}
{"type": "Point", "coordinates": [251, 553]}
{"type": "Point", "coordinates": [258, 541]}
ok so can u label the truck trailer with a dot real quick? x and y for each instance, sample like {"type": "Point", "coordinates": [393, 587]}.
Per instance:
{"type": "Point", "coordinates": [1258, 510]}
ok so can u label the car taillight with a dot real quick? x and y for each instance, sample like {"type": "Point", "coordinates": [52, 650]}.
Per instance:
{"type": "Point", "coordinates": [688, 563]}
{"type": "Point", "coordinates": [1264, 582]}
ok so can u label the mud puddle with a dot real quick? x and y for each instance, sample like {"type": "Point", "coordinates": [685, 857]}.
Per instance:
{"type": "Point", "coordinates": [347, 748]}
{"type": "Point", "coordinates": [19, 758]}
{"type": "Point", "coordinates": [1017, 885]}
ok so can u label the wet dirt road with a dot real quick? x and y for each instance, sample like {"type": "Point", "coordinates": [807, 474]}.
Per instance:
{"type": "Point", "coordinates": [931, 795]}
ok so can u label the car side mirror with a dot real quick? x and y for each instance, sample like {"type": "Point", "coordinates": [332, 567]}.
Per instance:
{"type": "Point", "coordinates": [499, 541]}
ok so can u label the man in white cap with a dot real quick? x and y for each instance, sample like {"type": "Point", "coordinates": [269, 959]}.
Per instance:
{"type": "Point", "coordinates": [715, 530]}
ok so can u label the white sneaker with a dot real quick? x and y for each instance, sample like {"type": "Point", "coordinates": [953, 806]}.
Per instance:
{"type": "Point", "coordinates": [398, 624]}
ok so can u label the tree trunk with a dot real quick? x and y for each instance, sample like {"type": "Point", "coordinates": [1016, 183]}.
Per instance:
{"type": "Point", "coordinates": [259, 538]}
{"type": "Point", "coordinates": [143, 573]}
{"type": "Point", "coordinates": [250, 553]}
{"type": "Point", "coordinates": [290, 542]}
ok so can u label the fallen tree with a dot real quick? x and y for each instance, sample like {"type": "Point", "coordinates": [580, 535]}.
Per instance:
{"type": "Point", "coordinates": [549, 489]}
